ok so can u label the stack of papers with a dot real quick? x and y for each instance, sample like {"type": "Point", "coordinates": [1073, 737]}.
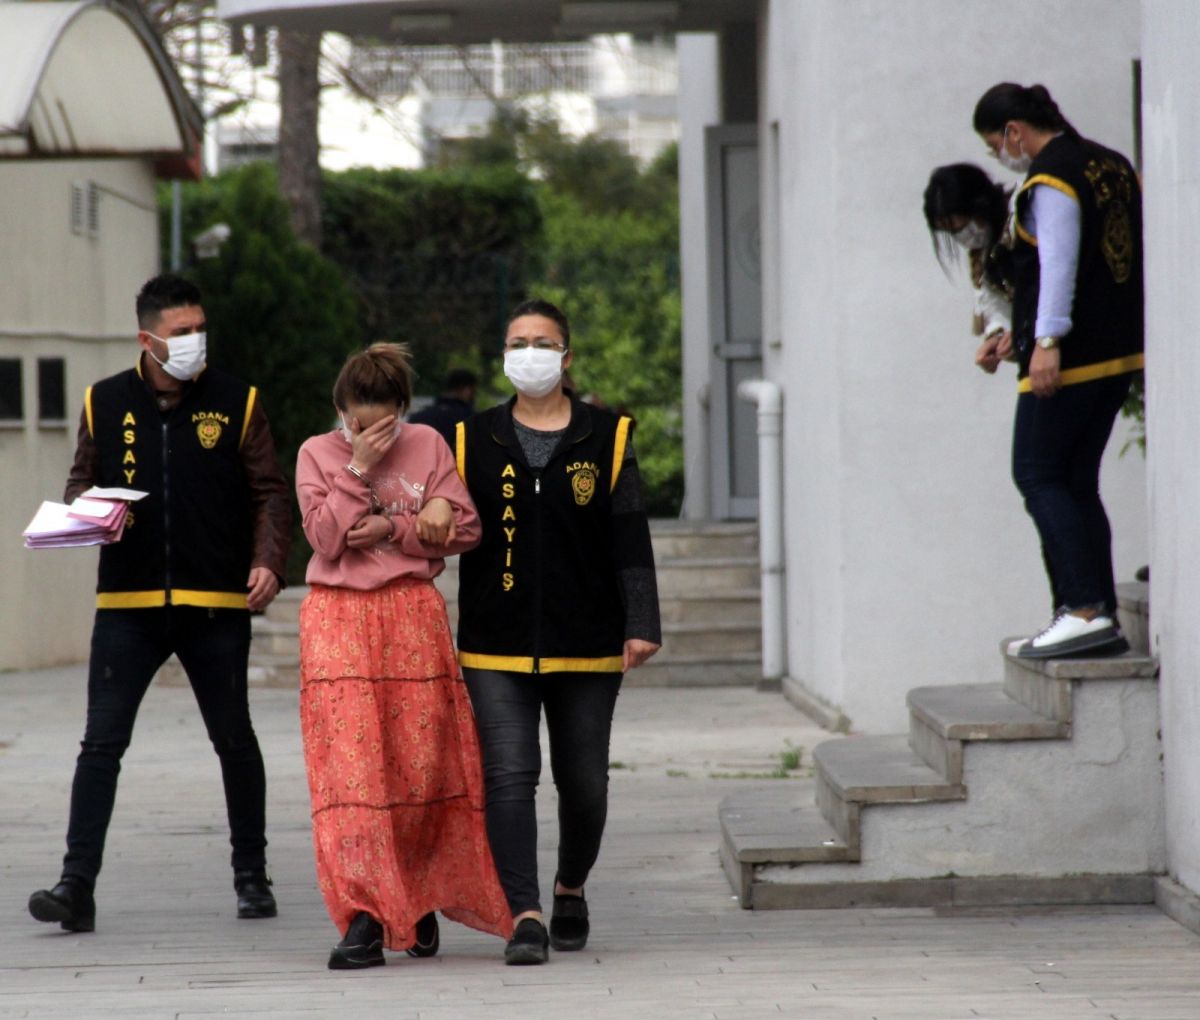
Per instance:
{"type": "Point", "coordinates": [95, 518]}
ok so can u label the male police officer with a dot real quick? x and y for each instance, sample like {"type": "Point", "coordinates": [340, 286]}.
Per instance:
{"type": "Point", "coordinates": [207, 545]}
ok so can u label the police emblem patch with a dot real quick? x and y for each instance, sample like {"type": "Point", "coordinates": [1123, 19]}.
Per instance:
{"type": "Point", "coordinates": [209, 432]}
{"type": "Point", "coordinates": [583, 485]}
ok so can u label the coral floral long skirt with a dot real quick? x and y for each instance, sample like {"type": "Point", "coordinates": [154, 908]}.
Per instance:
{"type": "Point", "coordinates": [393, 763]}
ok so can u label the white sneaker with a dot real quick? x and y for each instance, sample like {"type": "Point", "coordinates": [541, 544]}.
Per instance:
{"type": "Point", "coordinates": [1015, 645]}
{"type": "Point", "coordinates": [1069, 635]}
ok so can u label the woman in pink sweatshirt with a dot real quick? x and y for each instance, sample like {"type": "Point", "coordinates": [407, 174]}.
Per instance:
{"type": "Point", "coordinates": [389, 738]}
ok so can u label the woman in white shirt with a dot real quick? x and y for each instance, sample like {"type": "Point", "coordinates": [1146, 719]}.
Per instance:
{"type": "Point", "coordinates": [965, 209]}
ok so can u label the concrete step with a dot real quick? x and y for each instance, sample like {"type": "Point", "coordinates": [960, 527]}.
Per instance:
{"type": "Point", "coordinates": [988, 801]}
{"type": "Point", "coordinates": [270, 670]}
{"type": "Point", "coordinates": [772, 888]}
{"type": "Point", "coordinates": [1133, 613]}
{"type": "Point", "coordinates": [1045, 685]}
{"type": "Point", "coordinates": [771, 826]}
{"type": "Point", "coordinates": [855, 772]}
{"type": "Point", "coordinates": [684, 539]}
{"type": "Point", "coordinates": [941, 719]}
{"type": "Point", "coordinates": [697, 640]}
{"type": "Point", "coordinates": [719, 574]}
{"type": "Point", "coordinates": [275, 637]}
{"type": "Point", "coordinates": [666, 670]}
{"type": "Point", "coordinates": [880, 770]}
{"type": "Point", "coordinates": [740, 605]}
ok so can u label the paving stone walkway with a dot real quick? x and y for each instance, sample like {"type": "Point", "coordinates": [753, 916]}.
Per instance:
{"type": "Point", "coordinates": [668, 943]}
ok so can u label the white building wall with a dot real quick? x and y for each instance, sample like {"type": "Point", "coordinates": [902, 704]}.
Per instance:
{"type": "Point", "coordinates": [1171, 112]}
{"type": "Point", "coordinates": [909, 552]}
{"type": "Point", "coordinates": [67, 296]}
{"type": "Point", "coordinates": [699, 106]}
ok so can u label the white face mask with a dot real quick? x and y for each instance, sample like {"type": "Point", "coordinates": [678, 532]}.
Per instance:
{"type": "Point", "coordinates": [533, 372]}
{"type": "Point", "coordinates": [1017, 164]}
{"type": "Point", "coordinates": [185, 355]}
{"type": "Point", "coordinates": [349, 436]}
{"type": "Point", "coordinates": [973, 235]}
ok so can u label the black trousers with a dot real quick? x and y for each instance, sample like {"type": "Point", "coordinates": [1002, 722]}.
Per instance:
{"type": "Point", "coordinates": [1058, 443]}
{"type": "Point", "coordinates": [128, 647]}
{"type": "Point", "coordinates": [579, 711]}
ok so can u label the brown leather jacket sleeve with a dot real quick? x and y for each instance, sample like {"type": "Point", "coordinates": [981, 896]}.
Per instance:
{"type": "Point", "coordinates": [270, 494]}
{"type": "Point", "coordinates": [83, 471]}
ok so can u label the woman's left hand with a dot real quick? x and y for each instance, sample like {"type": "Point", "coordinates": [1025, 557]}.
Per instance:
{"type": "Point", "coordinates": [1044, 377]}
{"type": "Point", "coordinates": [435, 522]}
{"type": "Point", "coordinates": [371, 530]}
{"type": "Point", "coordinates": [637, 651]}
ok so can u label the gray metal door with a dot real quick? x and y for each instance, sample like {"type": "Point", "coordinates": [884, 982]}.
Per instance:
{"type": "Point", "coordinates": [735, 313]}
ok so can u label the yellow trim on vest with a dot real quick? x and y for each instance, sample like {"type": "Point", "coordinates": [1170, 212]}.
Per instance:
{"type": "Point", "coordinates": [524, 663]}
{"type": "Point", "coordinates": [87, 406]}
{"type": "Point", "coordinates": [619, 449]}
{"type": "Point", "coordinates": [608, 664]}
{"type": "Point", "coordinates": [460, 449]}
{"type": "Point", "coordinates": [249, 407]}
{"type": "Point", "coordinates": [1050, 182]}
{"type": "Point", "coordinates": [1057, 183]}
{"type": "Point", "coordinates": [1089, 373]}
{"type": "Point", "coordinates": [179, 597]}
{"type": "Point", "coordinates": [130, 599]}
{"type": "Point", "coordinates": [209, 599]}
{"type": "Point", "coordinates": [503, 663]}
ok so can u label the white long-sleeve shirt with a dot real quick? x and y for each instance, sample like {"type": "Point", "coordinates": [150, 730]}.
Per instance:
{"type": "Point", "coordinates": [1053, 217]}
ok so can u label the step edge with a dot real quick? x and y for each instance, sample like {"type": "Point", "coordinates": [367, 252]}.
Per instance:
{"type": "Point", "coordinates": [939, 788]}
{"type": "Point", "coordinates": [1033, 727]}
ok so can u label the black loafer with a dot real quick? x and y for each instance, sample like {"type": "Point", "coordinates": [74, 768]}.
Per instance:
{"type": "Point", "coordinates": [362, 946]}
{"type": "Point", "coordinates": [254, 896]}
{"type": "Point", "coordinates": [569, 924]}
{"type": "Point", "coordinates": [428, 939]}
{"type": "Point", "coordinates": [70, 904]}
{"type": "Point", "coordinates": [528, 944]}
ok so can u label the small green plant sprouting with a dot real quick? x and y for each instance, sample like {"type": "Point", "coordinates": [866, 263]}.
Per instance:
{"type": "Point", "coordinates": [789, 767]}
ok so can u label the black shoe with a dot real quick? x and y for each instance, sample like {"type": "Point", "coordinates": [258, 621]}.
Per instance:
{"type": "Point", "coordinates": [427, 937]}
{"type": "Point", "coordinates": [362, 946]}
{"type": "Point", "coordinates": [569, 923]}
{"type": "Point", "coordinates": [70, 903]}
{"type": "Point", "coordinates": [528, 944]}
{"type": "Point", "coordinates": [254, 896]}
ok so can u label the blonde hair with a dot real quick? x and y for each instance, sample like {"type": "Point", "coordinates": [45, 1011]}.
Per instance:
{"type": "Point", "coordinates": [382, 374]}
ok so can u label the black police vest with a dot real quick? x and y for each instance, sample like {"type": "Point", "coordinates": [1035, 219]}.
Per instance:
{"type": "Point", "coordinates": [540, 593]}
{"type": "Point", "coordinates": [1106, 336]}
{"type": "Point", "coordinates": [190, 541]}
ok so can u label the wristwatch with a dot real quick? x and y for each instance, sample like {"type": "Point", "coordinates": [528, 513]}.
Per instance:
{"type": "Point", "coordinates": [1047, 343]}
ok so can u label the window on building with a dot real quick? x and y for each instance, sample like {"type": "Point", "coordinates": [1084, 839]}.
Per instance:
{"type": "Point", "coordinates": [12, 404]}
{"type": "Point", "coordinates": [52, 390]}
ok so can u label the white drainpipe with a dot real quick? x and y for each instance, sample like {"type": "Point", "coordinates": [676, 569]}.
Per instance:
{"type": "Point", "coordinates": [769, 399]}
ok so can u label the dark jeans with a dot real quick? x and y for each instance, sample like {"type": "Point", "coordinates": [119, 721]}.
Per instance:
{"type": "Point", "coordinates": [1057, 445]}
{"type": "Point", "coordinates": [579, 710]}
{"type": "Point", "coordinates": [128, 646]}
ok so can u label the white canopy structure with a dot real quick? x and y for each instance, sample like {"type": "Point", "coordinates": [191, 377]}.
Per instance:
{"type": "Point", "coordinates": [89, 78]}
{"type": "Point", "coordinates": [461, 22]}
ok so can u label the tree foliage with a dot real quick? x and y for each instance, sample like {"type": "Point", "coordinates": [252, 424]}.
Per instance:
{"type": "Point", "coordinates": [434, 257]}
{"type": "Point", "coordinates": [617, 277]}
{"type": "Point", "coordinates": [610, 260]}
